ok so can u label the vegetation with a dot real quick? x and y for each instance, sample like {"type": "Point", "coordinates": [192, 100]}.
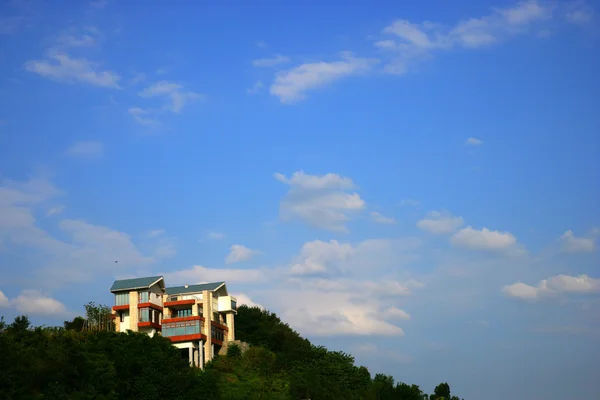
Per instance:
{"type": "Point", "coordinates": [75, 362]}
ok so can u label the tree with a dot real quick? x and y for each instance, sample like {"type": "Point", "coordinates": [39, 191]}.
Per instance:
{"type": "Point", "coordinates": [75, 325]}
{"type": "Point", "coordinates": [441, 392]}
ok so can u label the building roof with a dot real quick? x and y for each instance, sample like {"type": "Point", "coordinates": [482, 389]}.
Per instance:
{"type": "Point", "coordinates": [194, 288]}
{"type": "Point", "coordinates": [135, 283]}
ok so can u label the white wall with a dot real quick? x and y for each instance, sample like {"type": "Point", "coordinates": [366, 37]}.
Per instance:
{"type": "Point", "coordinates": [125, 324]}
{"type": "Point", "coordinates": [225, 303]}
{"type": "Point", "coordinates": [156, 295]}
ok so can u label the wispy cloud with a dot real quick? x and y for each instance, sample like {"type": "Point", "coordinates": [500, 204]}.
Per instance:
{"type": "Point", "coordinates": [277, 59]}
{"type": "Point", "coordinates": [215, 235]}
{"type": "Point", "coordinates": [579, 13]}
{"type": "Point", "coordinates": [553, 286]}
{"type": "Point", "coordinates": [177, 95]}
{"type": "Point", "coordinates": [62, 67]}
{"type": "Point", "coordinates": [407, 42]}
{"type": "Point", "coordinates": [143, 117]}
{"type": "Point", "coordinates": [86, 149]}
{"type": "Point", "coordinates": [291, 85]}
{"type": "Point", "coordinates": [474, 141]}
{"type": "Point", "coordinates": [255, 88]}
{"type": "Point", "coordinates": [381, 219]}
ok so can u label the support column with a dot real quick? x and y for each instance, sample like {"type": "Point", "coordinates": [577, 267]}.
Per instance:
{"type": "Point", "coordinates": [133, 311]}
{"type": "Point", "coordinates": [231, 326]}
{"type": "Point", "coordinates": [191, 356]}
{"type": "Point", "coordinates": [201, 355]}
{"type": "Point", "coordinates": [207, 307]}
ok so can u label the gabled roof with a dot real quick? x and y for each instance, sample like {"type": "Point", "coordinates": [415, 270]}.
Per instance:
{"type": "Point", "coordinates": [135, 283]}
{"type": "Point", "coordinates": [195, 288]}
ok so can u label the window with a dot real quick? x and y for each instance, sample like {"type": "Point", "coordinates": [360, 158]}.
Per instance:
{"type": "Point", "coordinates": [145, 314]}
{"type": "Point", "coordinates": [174, 298]}
{"type": "Point", "coordinates": [181, 328]}
{"type": "Point", "coordinates": [121, 316]}
{"type": "Point", "coordinates": [144, 297]}
{"type": "Point", "coordinates": [185, 312]}
{"type": "Point", "coordinates": [217, 333]}
{"type": "Point", "coordinates": [233, 305]}
{"type": "Point", "coordinates": [121, 299]}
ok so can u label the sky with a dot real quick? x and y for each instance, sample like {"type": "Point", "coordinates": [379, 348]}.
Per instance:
{"type": "Point", "coordinates": [414, 183]}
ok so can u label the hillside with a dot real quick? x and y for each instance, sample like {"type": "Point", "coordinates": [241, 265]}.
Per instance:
{"type": "Point", "coordinates": [66, 363]}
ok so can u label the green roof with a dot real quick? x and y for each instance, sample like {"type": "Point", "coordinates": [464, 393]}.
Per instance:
{"type": "Point", "coordinates": [194, 288]}
{"type": "Point", "coordinates": [136, 283]}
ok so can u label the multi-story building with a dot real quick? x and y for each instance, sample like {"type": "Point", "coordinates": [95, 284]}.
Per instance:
{"type": "Point", "coordinates": [198, 319]}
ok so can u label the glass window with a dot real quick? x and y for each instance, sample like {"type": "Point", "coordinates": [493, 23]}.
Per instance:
{"type": "Point", "coordinates": [144, 297]}
{"type": "Point", "coordinates": [121, 299]}
{"type": "Point", "coordinates": [233, 305]}
{"type": "Point", "coordinates": [144, 314]}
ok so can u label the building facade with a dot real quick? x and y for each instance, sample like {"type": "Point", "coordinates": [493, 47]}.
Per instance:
{"type": "Point", "coordinates": [198, 319]}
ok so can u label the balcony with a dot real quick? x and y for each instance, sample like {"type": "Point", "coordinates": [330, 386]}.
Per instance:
{"type": "Point", "coordinates": [121, 307]}
{"type": "Point", "coordinates": [148, 324]}
{"type": "Point", "coordinates": [182, 329]}
{"type": "Point", "coordinates": [180, 303]}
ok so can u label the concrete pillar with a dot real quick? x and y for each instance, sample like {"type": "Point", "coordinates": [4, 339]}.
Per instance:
{"type": "Point", "coordinates": [133, 311]}
{"type": "Point", "coordinates": [191, 355]}
{"type": "Point", "coordinates": [231, 326]}
{"type": "Point", "coordinates": [207, 306]}
{"type": "Point", "coordinates": [195, 310]}
{"type": "Point", "coordinates": [201, 355]}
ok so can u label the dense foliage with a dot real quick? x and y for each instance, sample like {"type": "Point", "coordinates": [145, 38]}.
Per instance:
{"type": "Point", "coordinates": [73, 362]}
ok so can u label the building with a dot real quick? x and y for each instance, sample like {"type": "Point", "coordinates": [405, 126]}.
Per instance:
{"type": "Point", "coordinates": [198, 319]}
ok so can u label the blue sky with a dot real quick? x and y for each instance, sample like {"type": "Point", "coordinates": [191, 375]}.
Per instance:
{"type": "Point", "coordinates": [416, 184]}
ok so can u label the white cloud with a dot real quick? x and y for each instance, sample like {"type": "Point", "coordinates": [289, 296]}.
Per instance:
{"type": "Point", "coordinates": [34, 302]}
{"type": "Point", "coordinates": [200, 274]}
{"type": "Point", "coordinates": [60, 66]}
{"type": "Point", "coordinates": [381, 219]}
{"type": "Point", "coordinates": [409, 42]}
{"type": "Point", "coordinates": [143, 117]}
{"type": "Point", "coordinates": [175, 92]}
{"type": "Point", "coordinates": [137, 78]}
{"type": "Point", "coordinates": [484, 239]}
{"type": "Point", "coordinates": [410, 202]}
{"type": "Point", "coordinates": [580, 17]}
{"type": "Point", "coordinates": [3, 300]}
{"type": "Point", "coordinates": [553, 286]}
{"type": "Point", "coordinates": [316, 256]}
{"type": "Point", "coordinates": [440, 223]}
{"type": "Point", "coordinates": [473, 141]}
{"type": "Point", "coordinates": [245, 299]}
{"type": "Point", "coordinates": [99, 3]}
{"type": "Point", "coordinates": [321, 201]}
{"type": "Point", "coordinates": [573, 244]}
{"type": "Point", "coordinates": [322, 313]}
{"type": "Point", "coordinates": [86, 149]}
{"type": "Point", "coordinates": [238, 253]}
{"type": "Point", "coordinates": [55, 211]}
{"type": "Point", "coordinates": [395, 313]}
{"type": "Point", "coordinates": [271, 62]}
{"type": "Point", "coordinates": [76, 41]}
{"type": "Point", "coordinates": [291, 85]}
{"type": "Point", "coordinates": [215, 235]}
{"type": "Point", "coordinates": [255, 88]}
{"type": "Point", "coordinates": [155, 233]}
